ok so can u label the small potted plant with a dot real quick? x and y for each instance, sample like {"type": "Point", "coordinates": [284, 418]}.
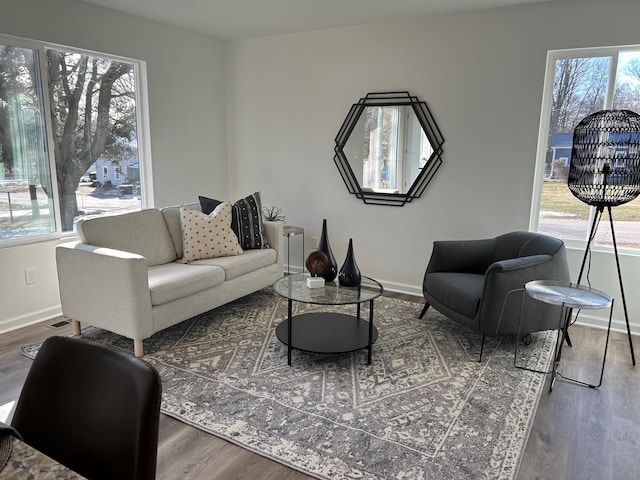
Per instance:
{"type": "Point", "coordinates": [272, 214]}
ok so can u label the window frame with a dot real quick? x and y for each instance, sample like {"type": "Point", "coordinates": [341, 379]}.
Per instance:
{"type": "Point", "coordinates": [543, 129]}
{"type": "Point", "coordinates": [143, 137]}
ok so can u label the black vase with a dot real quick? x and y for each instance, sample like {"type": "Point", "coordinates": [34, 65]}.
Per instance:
{"type": "Point", "coordinates": [349, 272]}
{"type": "Point", "coordinates": [331, 271]}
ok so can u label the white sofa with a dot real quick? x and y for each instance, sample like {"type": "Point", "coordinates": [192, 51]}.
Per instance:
{"type": "Point", "coordinates": [124, 274]}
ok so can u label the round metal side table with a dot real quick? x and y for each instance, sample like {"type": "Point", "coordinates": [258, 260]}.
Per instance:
{"type": "Point", "coordinates": [291, 231]}
{"type": "Point", "coordinates": [569, 296]}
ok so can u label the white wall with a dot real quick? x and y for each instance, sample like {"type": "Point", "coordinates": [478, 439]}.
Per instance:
{"type": "Point", "coordinates": [187, 121]}
{"type": "Point", "coordinates": [482, 76]}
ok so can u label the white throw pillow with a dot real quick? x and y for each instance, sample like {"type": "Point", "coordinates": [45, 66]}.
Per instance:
{"type": "Point", "coordinates": [208, 236]}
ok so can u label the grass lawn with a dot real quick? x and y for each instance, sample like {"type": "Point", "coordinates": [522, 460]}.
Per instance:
{"type": "Point", "coordinates": [556, 197]}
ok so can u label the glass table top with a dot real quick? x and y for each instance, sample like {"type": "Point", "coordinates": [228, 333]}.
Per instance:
{"type": "Point", "coordinates": [294, 287]}
{"type": "Point", "coordinates": [291, 230]}
{"type": "Point", "coordinates": [568, 294]}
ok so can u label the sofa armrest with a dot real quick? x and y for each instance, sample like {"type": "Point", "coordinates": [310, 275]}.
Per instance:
{"type": "Point", "coordinates": [500, 310]}
{"type": "Point", "coordinates": [465, 256]}
{"type": "Point", "coordinates": [514, 264]}
{"type": "Point", "coordinates": [512, 274]}
{"type": "Point", "coordinates": [273, 231]}
{"type": "Point", "coordinates": [106, 288]}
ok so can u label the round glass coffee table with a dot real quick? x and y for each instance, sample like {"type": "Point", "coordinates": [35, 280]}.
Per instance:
{"type": "Point", "coordinates": [327, 332]}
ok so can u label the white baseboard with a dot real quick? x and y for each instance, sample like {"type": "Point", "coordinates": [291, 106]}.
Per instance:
{"type": "Point", "coordinates": [601, 322]}
{"type": "Point", "coordinates": [588, 320]}
{"type": "Point", "coordinates": [389, 286]}
{"type": "Point", "coordinates": [292, 269]}
{"type": "Point", "coordinates": [31, 318]}
{"type": "Point", "coordinates": [402, 288]}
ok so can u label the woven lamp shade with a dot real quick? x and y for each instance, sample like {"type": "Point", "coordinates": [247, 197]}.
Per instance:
{"type": "Point", "coordinates": [605, 158]}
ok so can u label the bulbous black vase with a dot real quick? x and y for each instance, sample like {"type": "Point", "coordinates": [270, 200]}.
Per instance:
{"type": "Point", "coordinates": [349, 275]}
{"type": "Point", "coordinates": [331, 271]}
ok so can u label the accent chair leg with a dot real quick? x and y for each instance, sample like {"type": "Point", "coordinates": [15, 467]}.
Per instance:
{"type": "Point", "coordinates": [424, 310]}
{"type": "Point", "coordinates": [138, 348]}
{"type": "Point", "coordinates": [482, 347]}
{"type": "Point", "coordinates": [526, 339]}
{"type": "Point", "coordinates": [75, 327]}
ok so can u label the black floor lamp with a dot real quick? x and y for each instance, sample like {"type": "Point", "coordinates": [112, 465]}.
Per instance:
{"type": "Point", "coordinates": [605, 172]}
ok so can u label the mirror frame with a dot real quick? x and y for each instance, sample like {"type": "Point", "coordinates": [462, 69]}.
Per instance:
{"type": "Point", "coordinates": [430, 128]}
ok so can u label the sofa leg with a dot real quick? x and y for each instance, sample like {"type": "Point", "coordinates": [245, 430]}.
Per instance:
{"type": "Point", "coordinates": [481, 348]}
{"type": "Point", "coordinates": [424, 310]}
{"type": "Point", "coordinates": [137, 348]}
{"type": "Point", "coordinates": [75, 327]}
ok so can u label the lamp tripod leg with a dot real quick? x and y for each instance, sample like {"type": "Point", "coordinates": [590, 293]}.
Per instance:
{"type": "Point", "coordinates": [592, 234]}
{"type": "Point", "coordinates": [624, 301]}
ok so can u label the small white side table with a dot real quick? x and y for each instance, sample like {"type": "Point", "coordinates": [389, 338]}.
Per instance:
{"type": "Point", "coordinates": [569, 296]}
{"type": "Point", "coordinates": [291, 231]}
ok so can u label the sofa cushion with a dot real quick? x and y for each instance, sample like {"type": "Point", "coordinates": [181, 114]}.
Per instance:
{"type": "Point", "coordinates": [246, 220]}
{"type": "Point", "coordinates": [176, 280]}
{"type": "Point", "coordinates": [172, 219]}
{"type": "Point", "coordinates": [208, 236]}
{"type": "Point", "coordinates": [143, 232]}
{"type": "Point", "coordinates": [461, 292]}
{"type": "Point", "coordinates": [249, 261]}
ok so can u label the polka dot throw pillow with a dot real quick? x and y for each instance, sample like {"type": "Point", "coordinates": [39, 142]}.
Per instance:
{"type": "Point", "coordinates": [208, 236]}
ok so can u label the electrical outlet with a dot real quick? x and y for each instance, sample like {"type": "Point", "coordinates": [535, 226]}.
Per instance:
{"type": "Point", "coordinates": [30, 276]}
{"type": "Point", "coordinates": [316, 240]}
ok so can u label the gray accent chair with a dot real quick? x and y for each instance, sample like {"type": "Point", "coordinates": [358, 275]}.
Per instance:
{"type": "Point", "coordinates": [480, 283]}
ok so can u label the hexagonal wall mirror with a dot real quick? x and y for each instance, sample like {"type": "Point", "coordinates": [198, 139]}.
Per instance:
{"type": "Point", "coordinates": [388, 148]}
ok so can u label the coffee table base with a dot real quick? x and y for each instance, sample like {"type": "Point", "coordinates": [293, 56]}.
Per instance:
{"type": "Point", "coordinates": [323, 332]}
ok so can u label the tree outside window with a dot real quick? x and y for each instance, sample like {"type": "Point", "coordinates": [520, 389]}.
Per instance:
{"type": "Point", "coordinates": [584, 82]}
{"type": "Point", "coordinates": [91, 121]}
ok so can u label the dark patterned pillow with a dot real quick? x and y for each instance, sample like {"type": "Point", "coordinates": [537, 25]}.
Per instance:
{"type": "Point", "coordinates": [246, 220]}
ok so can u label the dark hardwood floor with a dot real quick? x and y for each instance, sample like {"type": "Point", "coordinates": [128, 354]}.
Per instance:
{"type": "Point", "coordinates": [578, 432]}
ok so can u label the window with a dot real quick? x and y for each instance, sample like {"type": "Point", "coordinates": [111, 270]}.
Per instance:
{"type": "Point", "coordinates": [66, 116]}
{"type": "Point", "coordinates": [578, 83]}
{"type": "Point", "coordinates": [395, 148]}
{"type": "Point", "coordinates": [25, 183]}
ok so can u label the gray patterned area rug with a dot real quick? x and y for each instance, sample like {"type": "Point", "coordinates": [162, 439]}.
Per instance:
{"type": "Point", "coordinates": [425, 408]}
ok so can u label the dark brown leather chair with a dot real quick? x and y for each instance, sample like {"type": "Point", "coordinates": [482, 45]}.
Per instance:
{"type": "Point", "coordinates": [92, 409]}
